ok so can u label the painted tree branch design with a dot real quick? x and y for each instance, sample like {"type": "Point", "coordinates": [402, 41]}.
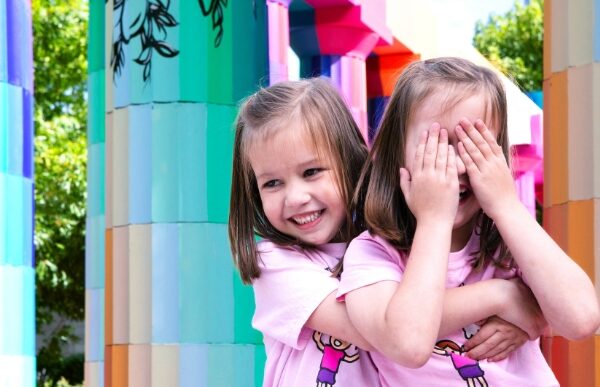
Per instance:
{"type": "Point", "coordinates": [149, 24]}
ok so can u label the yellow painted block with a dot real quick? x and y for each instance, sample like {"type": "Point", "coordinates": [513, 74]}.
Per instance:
{"type": "Point", "coordinates": [559, 52]}
{"type": "Point", "coordinates": [108, 287]}
{"type": "Point", "coordinates": [140, 284]}
{"type": "Point", "coordinates": [581, 32]}
{"type": "Point", "coordinates": [547, 40]}
{"type": "Point", "coordinates": [581, 234]}
{"type": "Point", "coordinates": [165, 365]}
{"type": "Point", "coordinates": [581, 133]}
{"type": "Point", "coordinates": [140, 361]}
{"type": "Point", "coordinates": [555, 141]}
{"type": "Point", "coordinates": [121, 285]}
{"type": "Point", "coordinates": [556, 224]}
{"type": "Point", "coordinates": [108, 171]}
{"type": "Point", "coordinates": [120, 170]}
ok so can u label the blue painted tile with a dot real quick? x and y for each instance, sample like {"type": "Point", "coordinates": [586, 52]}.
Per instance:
{"type": "Point", "coordinates": [165, 283]}
{"type": "Point", "coordinates": [140, 164]}
{"type": "Point", "coordinates": [95, 179]}
{"type": "Point", "coordinates": [96, 107]}
{"type": "Point", "coordinates": [15, 132]}
{"type": "Point", "coordinates": [4, 126]}
{"type": "Point", "coordinates": [3, 44]}
{"type": "Point", "coordinates": [221, 364]}
{"type": "Point", "coordinates": [596, 36]}
{"type": "Point", "coordinates": [27, 158]}
{"type": "Point", "coordinates": [95, 325]}
{"type": "Point", "coordinates": [17, 310]}
{"type": "Point", "coordinates": [19, 44]}
{"type": "Point", "coordinates": [193, 365]}
{"type": "Point", "coordinates": [165, 176]}
{"type": "Point", "coordinates": [94, 252]}
{"type": "Point", "coordinates": [243, 365]}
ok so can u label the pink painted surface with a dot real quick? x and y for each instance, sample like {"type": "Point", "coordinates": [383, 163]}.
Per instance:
{"type": "Point", "coordinates": [279, 40]}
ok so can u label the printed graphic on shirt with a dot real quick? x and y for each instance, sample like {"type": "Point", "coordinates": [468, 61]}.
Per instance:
{"type": "Point", "coordinates": [468, 369]}
{"type": "Point", "coordinates": [335, 351]}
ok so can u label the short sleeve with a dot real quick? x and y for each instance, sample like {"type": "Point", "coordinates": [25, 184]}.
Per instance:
{"type": "Point", "coordinates": [369, 260]}
{"type": "Point", "coordinates": [288, 291]}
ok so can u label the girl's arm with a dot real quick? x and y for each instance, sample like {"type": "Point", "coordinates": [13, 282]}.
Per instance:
{"type": "Point", "coordinates": [563, 290]}
{"type": "Point", "coordinates": [331, 318]}
{"type": "Point", "coordinates": [401, 320]}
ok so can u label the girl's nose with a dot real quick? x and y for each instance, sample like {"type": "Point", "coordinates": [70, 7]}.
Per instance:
{"type": "Point", "coordinates": [296, 195]}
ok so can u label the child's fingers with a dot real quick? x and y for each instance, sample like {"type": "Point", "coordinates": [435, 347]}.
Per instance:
{"type": "Point", "coordinates": [470, 165]}
{"type": "Point", "coordinates": [431, 146]}
{"type": "Point", "coordinates": [476, 137]}
{"type": "Point", "coordinates": [489, 137]}
{"type": "Point", "coordinates": [420, 152]}
{"type": "Point", "coordinates": [451, 166]}
{"type": "Point", "coordinates": [469, 146]}
{"type": "Point", "coordinates": [441, 159]}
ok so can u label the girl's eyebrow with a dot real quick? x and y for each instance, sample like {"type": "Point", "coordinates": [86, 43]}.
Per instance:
{"type": "Point", "coordinates": [302, 165]}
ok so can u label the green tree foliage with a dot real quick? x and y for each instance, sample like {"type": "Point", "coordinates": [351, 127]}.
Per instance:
{"type": "Point", "coordinates": [514, 43]}
{"type": "Point", "coordinates": [60, 113]}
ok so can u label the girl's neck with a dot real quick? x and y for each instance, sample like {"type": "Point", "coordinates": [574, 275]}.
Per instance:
{"type": "Point", "coordinates": [461, 235]}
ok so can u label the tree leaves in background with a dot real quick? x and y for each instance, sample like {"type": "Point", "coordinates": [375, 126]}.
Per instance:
{"type": "Point", "coordinates": [514, 43]}
{"type": "Point", "coordinates": [60, 116]}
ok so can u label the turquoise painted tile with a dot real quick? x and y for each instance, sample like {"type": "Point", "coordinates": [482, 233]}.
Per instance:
{"type": "Point", "coordinates": [96, 107]}
{"type": "Point", "coordinates": [95, 179]}
{"type": "Point", "coordinates": [4, 223]}
{"type": "Point", "coordinates": [193, 40]}
{"type": "Point", "coordinates": [15, 216]}
{"type": "Point", "coordinates": [140, 164]}
{"type": "Point", "coordinates": [96, 27]}
{"type": "Point", "coordinates": [206, 291]}
{"type": "Point", "coordinates": [94, 252]}
{"type": "Point", "coordinates": [28, 289]}
{"type": "Point", "coordinates": [28, 225]}
{"type": "Point", "coordinates": [221, 365]}
{"type": "Point", "coordinates": [17, 371]}
{"type": "Point", "coordinates": [165, 71]}
{"type": "Point", "coordinates": [15, 132]}
{"type": "Point", "coordinates": [243, 365]}
{"type": "Point", "coordinates": [193, 365]}
{"type": "Point", "coordinates": [244, 310]}
{"type": "Point", "coordinates": [141, 91]}
{"type": "Point", "coordinates": [220, 137]}
{"type": "Point", "coordinates": [4, 126]}
{"type": "Point", "coordinates": [191, 145]}
{"type": "Point", "coordinates": [165, 164]}
{"type": "Point", "coordinates": [94, 348]}
{"type": "Point", "coordinates": [260, 358]}
{"type": "Point", "coordinates": [165, 283]}
{"type": "Point", "coordinates": [12, 335]}
{"type": "Point", "coordinates": [250, 46]}
{"type": "Point", "coordinates": [220, 66]}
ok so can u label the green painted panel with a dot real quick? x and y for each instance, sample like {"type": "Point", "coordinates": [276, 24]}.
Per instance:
{"type": "Point", "coordinates": [96, 36]}
{"type": "Point", "coordinates": [244, 310]}
{"type": "Point", "coordinates": [260, 358]}
{"type": "Point", "coordinates": [96, 107]}
{"type": "Point", "coordinates": [220, 61]}
{"type": "Point", "coordinates": [192, 55]}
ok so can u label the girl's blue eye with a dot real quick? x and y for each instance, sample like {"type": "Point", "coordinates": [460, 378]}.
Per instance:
{"type": "Point", "coordinates": [271, 183]}
{"type": "Point", "coordinates": [312, 171]}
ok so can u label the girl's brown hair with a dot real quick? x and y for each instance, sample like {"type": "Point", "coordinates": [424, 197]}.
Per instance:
{"type": "Point", "coordinates": [325, 118]}
{"type": "Point", "coordinates": [378, 201]}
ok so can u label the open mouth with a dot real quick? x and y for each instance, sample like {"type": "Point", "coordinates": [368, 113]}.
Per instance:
{"type": "Point", "coordinates": [307, 218]}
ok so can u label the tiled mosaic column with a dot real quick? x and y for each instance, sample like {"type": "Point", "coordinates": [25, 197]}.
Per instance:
{"type": "Point", "coordinates": [175, 311]}
{"type": "Point", "coordinates": [95, 223]}
{"type": "Point", "coordinates": [572, 161]}
{"type": "Point", "coordinates": [17, 274]}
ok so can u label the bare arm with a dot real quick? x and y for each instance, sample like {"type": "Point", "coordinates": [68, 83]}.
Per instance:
{"type": "Point", "coordinates": [401, 320]}
{"type": "Point", "coordinates": [331, 317]}
{"type": "Point", "coordinates": [564, 291]}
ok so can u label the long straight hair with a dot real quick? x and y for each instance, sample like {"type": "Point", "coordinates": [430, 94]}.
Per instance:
{"type": "Point", "coordinates": [378, 202]}
{"type": "Point", "coordinates": [315, 108]}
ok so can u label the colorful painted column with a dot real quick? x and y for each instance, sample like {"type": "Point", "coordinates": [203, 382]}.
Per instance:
{"type": "Point", "coordinates": [279, 39]}
{"type": "Point", "coordinates": [169, 303]}
{"type": "Point", "coordinates": [572, 161]}
{"type": "Point", "coordinates": [95, 216]}
{"type": "Point", "coordinates": [17, 274]}
{"type": "Point", "coordinates": [334, 38]}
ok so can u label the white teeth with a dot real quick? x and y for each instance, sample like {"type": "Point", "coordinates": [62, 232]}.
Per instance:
{"type": "Point", "coordinates": [307, 218]}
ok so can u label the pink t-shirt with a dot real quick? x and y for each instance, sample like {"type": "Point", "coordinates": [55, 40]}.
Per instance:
{"type": "Point", "coordinates": [293, 282]}
{"type": "Point", "coordinates": [370, 259]}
